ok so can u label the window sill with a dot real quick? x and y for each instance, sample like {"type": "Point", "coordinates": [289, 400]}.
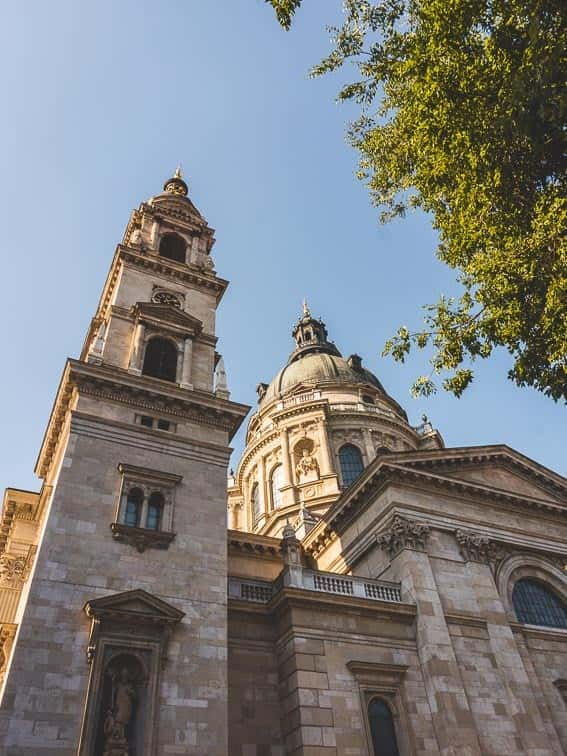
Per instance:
{"type": "Point", "coordinates": [141, 538]}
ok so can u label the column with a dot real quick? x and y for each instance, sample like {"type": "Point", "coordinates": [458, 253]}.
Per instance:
{"type": "Point", "coordinates": [452, 717]}
{"type": "Point", "coordinates": [154, 234]}
{"type": "Point", "coordinates": [262, 486]}
{"type": "Point", "coordinates": [187, 363]}
{"type": "Point", "coordinates": [136, 354]}
{"type": "Point", "coordinates": [368, 445]}
{"type": "Point", "coordinates": [326, 463]}
{"type": "Point", "coordinates": [286, 463]}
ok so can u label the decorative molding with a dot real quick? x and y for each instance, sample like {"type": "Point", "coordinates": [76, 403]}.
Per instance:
{"type": "Point", "coordinates": [476, 548]}
{"type": "Point", "coordinates": [141, 538]}
{"type": "Point", "coordinates": [142, 392]}
{"type": "Point", "coordinates": [147, 474]}
{"type": "Point", "coordinates": [131, 608]}
{"type": "Point", "coordinates": [403, 534]}
{"type": "Point", "coordinates": [383, 471]}
{"type": "Point", "coordinates": [371, 672]}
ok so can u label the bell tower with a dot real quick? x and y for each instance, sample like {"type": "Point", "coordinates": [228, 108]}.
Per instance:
{"type": "Point", "coordinates": [121, 640]}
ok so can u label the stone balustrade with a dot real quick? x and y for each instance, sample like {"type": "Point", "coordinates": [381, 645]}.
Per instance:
{"type": "Point", "coordinates": [362, 407]}
{"type": "Point", "coordinates": [260, 591]}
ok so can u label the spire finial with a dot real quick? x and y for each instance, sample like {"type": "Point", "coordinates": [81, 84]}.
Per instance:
{"type": "Point", "coordinates": [176, 184]}
{"type": "Point", "coordinates": [306, 312]}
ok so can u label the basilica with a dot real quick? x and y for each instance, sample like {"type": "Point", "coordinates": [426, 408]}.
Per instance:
{"type": "Point", "coordinates": [356, 589]}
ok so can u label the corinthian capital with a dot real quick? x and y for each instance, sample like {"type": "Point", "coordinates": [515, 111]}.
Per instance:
{"type": "Point", "coordinates": [476, 548]}
{"type": "Point", "coordinates": [403, 534]}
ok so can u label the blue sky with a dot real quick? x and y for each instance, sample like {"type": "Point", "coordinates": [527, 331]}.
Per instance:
{"type": "Point", "coordinates": [102, 100]}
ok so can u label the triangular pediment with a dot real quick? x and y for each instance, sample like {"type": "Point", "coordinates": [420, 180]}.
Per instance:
{"type": "Point", "coordinates": [177, 207]}
{"type": "Point", "coordinates": [137, 604]}
{"type": "Point", "coordinates": [497, 467]}
{"type": "Point", "coordinates": [169, 314]}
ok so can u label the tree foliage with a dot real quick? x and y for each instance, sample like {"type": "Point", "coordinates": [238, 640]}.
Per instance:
{"type": "Point", "coordinates": [463, 106]}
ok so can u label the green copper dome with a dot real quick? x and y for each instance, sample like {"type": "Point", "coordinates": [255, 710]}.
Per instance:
{"type": "Point", "coordinates": [316, 361]}
{"type": "Point", "coordinates": [318, 367]}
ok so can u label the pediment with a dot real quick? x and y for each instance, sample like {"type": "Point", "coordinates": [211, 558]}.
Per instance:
{"type": "Point", "coordinates": [166, 313]}
{"type": "Point", "coordinates": [137, 605]}
{"type": "Point", "coordinates": [177, 206]}
{"type": "Point", "coordinates": [500, 468]}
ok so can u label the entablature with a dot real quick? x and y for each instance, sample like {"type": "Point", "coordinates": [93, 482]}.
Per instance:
{"type": "Point", "coordinates": [116, 384]}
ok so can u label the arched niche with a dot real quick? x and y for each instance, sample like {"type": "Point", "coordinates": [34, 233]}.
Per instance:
{"type": "Point", "coordinates": [304, 461]}
{"type": "Point", "coordinates": [127, 649]}
{"type": "Point", "coordinates": [122, 710]}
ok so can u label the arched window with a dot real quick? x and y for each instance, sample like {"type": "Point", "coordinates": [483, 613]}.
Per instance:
{"type": "Point", "coordinates": [173, 247]}
{"type": "Point", "coordinates": [160, 360]}
{"type": "Point", "coordinates": [535, 604]}
{"type": "Point", "coordinates": [382, 728]}
{"type": "Point", "coordinates": [134, 507]}
{"type": "Point", "coordinates": [255, 502]}
{"type": "Point", "coordinates": [155, 509]}
{"type": "Point", "coordinates": [276, 482]}
{"type": "Point", "coordinates": [350, 460]}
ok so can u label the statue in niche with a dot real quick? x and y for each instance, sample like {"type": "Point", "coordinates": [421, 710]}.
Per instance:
{"type": "Point", "coordinates": [120, 712]}
{"type": "Point", "coordinates": [307, 467]}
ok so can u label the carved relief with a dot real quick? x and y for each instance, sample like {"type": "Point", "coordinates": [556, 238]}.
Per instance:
{"type": "Point", "coordinates": [307, 468]}
{"type": "Point", "coordinates": [14, 570]}
{"type": "Point", "coordinates": [162, 296]}
{"type": "Point", "coordinates": [476, 548]}
{"type": "Point", "coordinates": [7, 635]}
{"type": "Point", "coordinates": [403, 534]}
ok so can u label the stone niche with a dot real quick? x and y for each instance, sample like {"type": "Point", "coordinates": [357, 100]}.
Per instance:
{"type": "Point", "coordinates": [127, 650]}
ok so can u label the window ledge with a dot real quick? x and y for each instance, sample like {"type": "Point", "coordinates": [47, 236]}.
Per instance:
{"type": "Point", "coordinates": [141, 538]}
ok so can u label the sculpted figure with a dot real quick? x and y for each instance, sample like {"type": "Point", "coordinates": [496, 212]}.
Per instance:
{"type": "Point", "coordinates": [307, 466]}
{"type": "Point", "coordinates": [120, 716]}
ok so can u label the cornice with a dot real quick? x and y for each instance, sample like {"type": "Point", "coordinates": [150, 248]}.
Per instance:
{"type": "Point", "coordinates": [117, 385]}
{"type": "Point", "coordinates": [187, 273]}
{"type": "Point", "coordinates": [504, 455]}
{"type": "Point", "coordinates": [383, 472]}
{"type": "Point", "coordinates": [253, 544]}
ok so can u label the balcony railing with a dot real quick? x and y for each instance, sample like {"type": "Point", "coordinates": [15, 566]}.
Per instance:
{"type": "Point", "coordinates": [294, 401]}
{"type": "Point", "coordinates": [362, 407]}
{"type": "Point", "coordinates": [261, 592]}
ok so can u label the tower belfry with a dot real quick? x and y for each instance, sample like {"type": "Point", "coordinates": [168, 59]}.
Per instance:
{"type": "Point", "coordinates": [126, 612]}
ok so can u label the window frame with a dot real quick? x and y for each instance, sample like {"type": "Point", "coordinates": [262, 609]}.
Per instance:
{"type": "Point", "coordinates": [393, 714]}
{"type": "Point", "coordinates": [535, 567]}
{"type": "Point", "coordinates": [384, 681]}
{"type": "Point", "coordinates": [350, 445]}
{"type": "Point", "coordinates": [150, 482]}
{"type": "Point", "coordinates": [163, 236]}
{"type": "Point", "coordinates": [528, 600]}
{"type": "Point", "coordinates": [276, 500]}
{"type": "Point", "coordinates": [159, 336]}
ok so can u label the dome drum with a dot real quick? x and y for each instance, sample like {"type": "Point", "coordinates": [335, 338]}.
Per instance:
{"type": "Point", "coordinates": [319, 423]}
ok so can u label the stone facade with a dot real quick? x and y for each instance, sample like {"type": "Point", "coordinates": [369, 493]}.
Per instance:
{"type": "Point", "coordinates": [366, 567]}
